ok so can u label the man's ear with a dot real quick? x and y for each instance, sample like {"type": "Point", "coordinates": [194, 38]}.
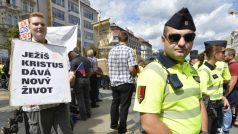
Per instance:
{"type": "Point", "coordinates": [162, 39]}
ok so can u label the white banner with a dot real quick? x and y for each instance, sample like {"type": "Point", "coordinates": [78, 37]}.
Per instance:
{"type": "Point", "coordinates": [39, 74]}
{"type": "Point", "coordinates": [63, 36]}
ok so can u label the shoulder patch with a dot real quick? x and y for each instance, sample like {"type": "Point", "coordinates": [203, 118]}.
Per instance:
{"type": "Point", "coordinates": [141, 93]}
{"type": "Point", "coordinates": [215, 76]}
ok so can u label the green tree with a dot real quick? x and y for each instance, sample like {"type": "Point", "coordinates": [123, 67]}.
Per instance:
{"type": "Point", "coordinates": [11, 33]}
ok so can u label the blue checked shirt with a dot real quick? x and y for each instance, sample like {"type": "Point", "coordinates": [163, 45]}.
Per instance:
{"type": "Point", "coordinates": [120, 58]}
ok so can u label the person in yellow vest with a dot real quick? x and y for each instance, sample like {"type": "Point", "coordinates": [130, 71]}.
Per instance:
{"type": "Point", "coordinates": [193, 57]}
{"type": "Point", "coordinates": [1, 69]}
{"type": "Point", "coordinates": [201, 58]}
{"type": "Point", "coordinates": [223, 69]}
{"type": "Point", "coordinates": [141, 65]}
{"type": "Point", "coordinates": [212, 84]}
{"type": "Point", "coordinates": [168, 94]}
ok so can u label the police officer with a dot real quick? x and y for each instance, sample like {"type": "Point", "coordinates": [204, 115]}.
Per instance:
{"type": "Point", "coordinates": [194, 58]}
{"type": "Point", "coordinates": [171, 101]}
{"type": "Point", "coordinates": [223, 69]}
{"type": "Point", "coordinates": [212, 83]}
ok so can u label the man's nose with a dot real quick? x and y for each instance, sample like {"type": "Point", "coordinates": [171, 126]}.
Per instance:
{"type": "Point", "coordinates": [181, 42]}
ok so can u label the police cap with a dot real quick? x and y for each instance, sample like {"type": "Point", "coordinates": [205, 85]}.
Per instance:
{"type": "Point", "coordinates": [181, 20]}
{"type": "Point", "coordinates": [194, 54]}
{"type": "Point", "coordinates": [222, 43]}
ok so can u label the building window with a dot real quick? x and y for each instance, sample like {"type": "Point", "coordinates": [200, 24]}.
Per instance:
{"type": "Point", "coordinates": [9, 19]}
{"type": "Point", "coordinates": [73, 6]}
{"type": "Point", "coordinates": [31, 7]}
{"type": "Point", "coordinates": [87, 44]}
{"type": "Point", "coordinates": [15, 21]}
{"type": "Point", "coordinates": [88, 25]}
{"type": "Point", "coordinates": [58, 14]}
{"type": "Point", "coordinates": [88, 14]}
{"type": "Point", "coordinates": [115, 37]}
{"type": "Point", "coordinates": [25, 7]}
{"type": "Point", "coordinates": [59, 2]}
{"type": "Point", "coordinates": [57, 24]}
{"type": "Point", "coordinates": [74, 19]}
{"type": "Point", "coordinates": [13, 2]}
{"type": "Point", "coordinates": [88, 35]}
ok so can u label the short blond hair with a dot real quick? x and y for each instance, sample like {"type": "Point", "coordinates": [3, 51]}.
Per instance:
{"type": "Point", "coordinates": [90, 53]}
{"type": "Point", "coordinates": [36, 14]}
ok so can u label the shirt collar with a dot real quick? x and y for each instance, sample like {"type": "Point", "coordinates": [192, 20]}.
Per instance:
{"type": "Point", "coordinates": [210, 66]}
{"type": "Point", "coordinates": [166, 61]}
{"type": "Point", "coordinates": [46, 42]}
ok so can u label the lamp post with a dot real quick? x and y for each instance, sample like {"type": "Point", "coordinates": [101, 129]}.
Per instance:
{"type": "Point", "coordinates": [81, 27]}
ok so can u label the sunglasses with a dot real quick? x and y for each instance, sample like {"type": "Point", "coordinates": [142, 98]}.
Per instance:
{"type": "Point", "coordinates": [174, 38]}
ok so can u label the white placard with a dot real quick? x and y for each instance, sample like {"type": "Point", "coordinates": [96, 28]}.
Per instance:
{"type": "Point", "coordinates": [39, 74]}
{"type": "Point", "coordinates": [24, 30]}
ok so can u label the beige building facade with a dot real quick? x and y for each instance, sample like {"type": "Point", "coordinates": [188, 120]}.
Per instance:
{"type": "Point", "coordinates": [107, 38]}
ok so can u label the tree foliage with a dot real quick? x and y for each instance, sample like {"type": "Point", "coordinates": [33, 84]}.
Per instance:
{"type": "Point", "coordinates": [11, 33]}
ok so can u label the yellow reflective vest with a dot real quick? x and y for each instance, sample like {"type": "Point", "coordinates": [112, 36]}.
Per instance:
{"type": "Point", "coordinates": [179, 109]}
{"type": "Point", "coordinates": [223, 69]}
{"type": "Point", "coordinates": [211, 81]}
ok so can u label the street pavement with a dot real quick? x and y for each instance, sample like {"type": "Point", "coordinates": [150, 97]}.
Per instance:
{"type": "Point", "coordinates": [99, 123]}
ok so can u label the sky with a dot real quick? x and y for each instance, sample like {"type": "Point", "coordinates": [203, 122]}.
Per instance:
{"type": "Point", "coordinates": [146, 18]}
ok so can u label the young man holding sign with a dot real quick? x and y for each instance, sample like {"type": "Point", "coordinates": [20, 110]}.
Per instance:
{"type": "Point", "coordinates": [43, 117]}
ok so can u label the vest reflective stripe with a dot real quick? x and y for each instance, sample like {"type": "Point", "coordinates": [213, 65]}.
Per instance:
{"type": "Point", "coordinates": [181, 94]}
{"type": "Point", "coordinates": [181, 114]}
{"type": "Point", "coordinates": [216, 96]}
{"type": "Point", "coordinates": [213, 87]}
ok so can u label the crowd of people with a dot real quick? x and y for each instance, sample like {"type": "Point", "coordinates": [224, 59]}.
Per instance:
{"type": "Point", "coordinates": [199, 96]}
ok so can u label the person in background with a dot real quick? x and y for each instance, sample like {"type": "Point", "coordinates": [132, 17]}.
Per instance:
{"type": "Point", "coordinates": [168, 94]}
{"type": "Point", "coordinates": [93, 78]}
{"type": "Point", "coordinates": [201, 58]}
{"type": "Point", "coordinates": [211, 82]}
{"type": "Point", "coordinates": [1, 69]}
{"type": "Point", "coordinates": [194, 58]}
{"type": "Point", "coordinates": [141, 65]}
{"type": "Point", "coordinates": [42, 118]}
{"type": "Point", "coordinates": [99, 74]}
{"type": "Point", "coordinates": [83, 69]}
{"type": "Point", "coordinates": [121, 63]}
{"type": "Point", "coordinates": [223, 69]}
{"type": "Point", "coordinates": [232, 87]}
